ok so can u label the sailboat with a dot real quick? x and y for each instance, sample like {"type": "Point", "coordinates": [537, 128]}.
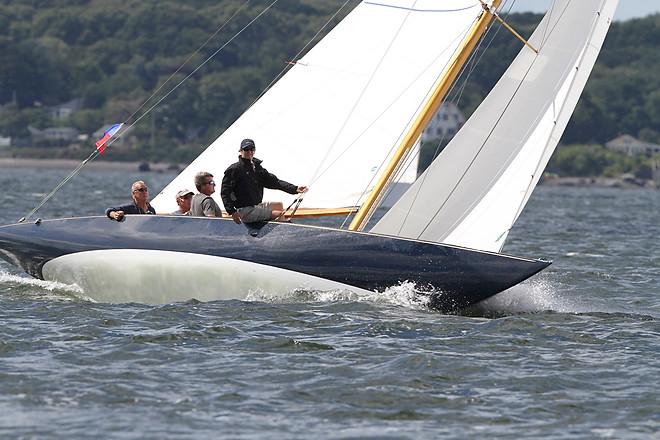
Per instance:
{"type": "Point", "coordinates": [346, 120]}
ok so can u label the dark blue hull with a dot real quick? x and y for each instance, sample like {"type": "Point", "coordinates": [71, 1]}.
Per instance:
{"type": "Point", "coordinates": [458, 277]}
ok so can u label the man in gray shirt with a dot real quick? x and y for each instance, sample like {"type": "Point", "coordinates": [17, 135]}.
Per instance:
{"type": "Point", "coordinates": [203, 204]}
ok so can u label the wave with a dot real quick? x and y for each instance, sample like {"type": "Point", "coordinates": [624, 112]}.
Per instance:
{"type": "Point", "coordinates": [24, 286]}
{"type": "Point", "coordinates": [405, 294]}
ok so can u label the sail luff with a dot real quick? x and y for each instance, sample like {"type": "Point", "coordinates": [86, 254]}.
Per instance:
{"type": "Point", "coordinates": [432, 105]}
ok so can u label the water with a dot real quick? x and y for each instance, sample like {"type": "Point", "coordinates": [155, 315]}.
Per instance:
{"type": "Point", "coordinates": [572, 353]}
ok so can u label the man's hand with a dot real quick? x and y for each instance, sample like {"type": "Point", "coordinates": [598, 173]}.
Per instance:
{"type": "Point", "coordinates": [237, 218]}
{"type": "Point", "coordinates": [117, 215]}
{"type": "Point", "coordinates": [302, 189]}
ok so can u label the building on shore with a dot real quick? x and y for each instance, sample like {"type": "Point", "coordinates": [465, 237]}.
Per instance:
{"type": "Point", "coordinates": [444, 124]}
{"type": "Point", "coordinates": [632, 146]}
{"type": "Point", "coordinates": [53, 136]}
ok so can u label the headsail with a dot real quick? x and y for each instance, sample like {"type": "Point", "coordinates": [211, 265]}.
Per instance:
{"type": "Point", "coordinates": [474, 191]}
{"type": "Point", "coordinates": [337, 115]}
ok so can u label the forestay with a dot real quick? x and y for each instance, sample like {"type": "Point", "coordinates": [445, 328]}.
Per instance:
{"type": "Point", "coordinates": [337, 115]}
{"type": "Point", "coordinates": [474, 191]}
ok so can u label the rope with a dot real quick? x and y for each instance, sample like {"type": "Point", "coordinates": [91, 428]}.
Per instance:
{"type": "Point", "coordinates": [189, 58]}
{"type": "Point", "coordinates": [95, 153]}
{"type": "Point", "coordinates": [294, 61]}
{"type": "Point", "coordinates": [297, 202]}
{"type": "Point", "coordinates": [359, 98]}
{"type": "Point", "coordinates": [490, 132]}
{"type": "Point", "coordinates": [408, 156]}
{"type": "Point", "coordinates": [288, 67]}
{"type": "Point", "coordinates": [206, 61]}
{"type": "Point", "coordinates": [470, 66]}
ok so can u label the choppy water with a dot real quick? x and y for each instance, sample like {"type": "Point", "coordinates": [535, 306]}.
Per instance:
{"type": "Point", "coordinates": [572, 353]}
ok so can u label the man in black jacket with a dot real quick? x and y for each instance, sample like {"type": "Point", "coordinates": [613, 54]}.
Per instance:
{"type": "Point", "coordinates": [243, 188]}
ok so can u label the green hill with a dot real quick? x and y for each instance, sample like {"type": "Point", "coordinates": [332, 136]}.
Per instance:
{"type": "Point", "coordinates": [114, 54]}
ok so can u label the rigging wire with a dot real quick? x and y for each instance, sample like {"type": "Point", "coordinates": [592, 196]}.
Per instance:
{"type": "Point", "coordinates": [294, 60]}
{"type": "Point", "coordinates": [222, 26]}
{"type": "Point", "coordinates": [95, 153]}
{"type": "Point", "coordinates": [207, 60]}
{"type": "Point", "coordinates": [277, 77]}
{"type": "Point", "coordinates": [398, 140]}
{"type": "Point", "coordinates": [359, 98]}
{"type": "Point", "coordinates": [469, 67]}
{"type": "Point", "coordinates": [501, 115]}
{"type": "Point", "coordinates": [408, 159]}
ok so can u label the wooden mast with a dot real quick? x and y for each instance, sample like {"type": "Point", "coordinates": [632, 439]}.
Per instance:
{"type": "Point", "coordinates": [455, 65]}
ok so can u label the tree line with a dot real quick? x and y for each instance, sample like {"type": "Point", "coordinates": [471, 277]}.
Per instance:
{"type": "Point", "coordinates": [114, 54]}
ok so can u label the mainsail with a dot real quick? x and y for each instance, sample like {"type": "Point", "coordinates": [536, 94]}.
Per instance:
{"type": "Point", "coordinates": [336, 117]}
{"type": "Point", "coordinates": [474, 191]}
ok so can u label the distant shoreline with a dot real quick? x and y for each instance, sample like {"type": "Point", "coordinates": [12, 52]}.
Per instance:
{"type": "Point", "coordinates": [628, 182]}
{"type": "Point", "coordinates": [6, 162]}
{"type": "Point", "coordinates": [106, 165]}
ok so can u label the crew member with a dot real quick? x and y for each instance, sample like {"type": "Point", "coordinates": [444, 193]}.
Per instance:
{"type": "Point", "coordinates": [203, 204]}
{"type": "Point", "coordinates": [140, 205]}
{"type": "Point", "coordinates": [243, 186]}
{"type": "Point", "coordinates": [184, 200]}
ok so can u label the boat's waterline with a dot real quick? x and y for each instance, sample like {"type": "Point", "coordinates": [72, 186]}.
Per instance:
{"type": "Point", "coordinates": [160, 277]}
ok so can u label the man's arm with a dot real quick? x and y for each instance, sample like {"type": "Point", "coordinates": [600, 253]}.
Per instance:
{"type": "Point", "coordinates": [271, 181]}
{"type": "Point", "coordinates": [119, 212]}
{"type": "Point", "coordinates": [226, 189]}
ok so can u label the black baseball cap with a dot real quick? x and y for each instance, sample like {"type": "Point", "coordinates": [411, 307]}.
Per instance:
{"type": "Point", "coordinates": [247, 144]}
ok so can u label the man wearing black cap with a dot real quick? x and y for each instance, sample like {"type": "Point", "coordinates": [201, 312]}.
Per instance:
{"type": "Point", "coordinates": [243, 188]}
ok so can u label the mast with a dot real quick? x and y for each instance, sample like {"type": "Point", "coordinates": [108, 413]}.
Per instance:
{"type": "Point", "coordinates": [437, 96]}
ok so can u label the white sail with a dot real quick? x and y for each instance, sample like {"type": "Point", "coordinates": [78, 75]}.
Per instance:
{"type": "Point", "coordinates": [337, 115]}
{"type": "Point", "coordinates": [472, 194]}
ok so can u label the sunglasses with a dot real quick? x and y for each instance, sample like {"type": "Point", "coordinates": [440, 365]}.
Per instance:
{"type": "Point", "coordinates": [141, 190]}
{"type": "Point", "coordinates": [249, 149]}
{"type": "Point", "coordinates": [210, 182]}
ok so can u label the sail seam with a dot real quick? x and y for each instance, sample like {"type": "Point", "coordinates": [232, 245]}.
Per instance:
{"type": "Point", "coordinates": [359, 98]}
{"type": "Point", "coordinates": [469, 166]}
{"type": "Point", "coordinates": [578, 65]}
{"type": "Point", "coordinates": [473, 64]}
{"type": "Point", "coordinates": [320, 174]}
{"type": "Point", "coordinates": [568, 80]}
{"type": "Point", "coordinates": [296, 57]}
{"type": "Point", "coordinates": [467, 210]}
{"type": "Point", "coordinates": [419, 10]}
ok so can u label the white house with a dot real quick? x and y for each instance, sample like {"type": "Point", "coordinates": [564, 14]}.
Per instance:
{"type": "Point", "coordinates": [445, 123]}
{"type": "Point", "coordinates": [632, 146]}
{"type": "Point", "coordinates": [56, 134]}
{"type": "Point", "coordinates": [5, 142]}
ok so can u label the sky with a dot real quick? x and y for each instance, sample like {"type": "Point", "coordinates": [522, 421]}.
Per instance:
{"type": "Point", "coordinates": [627, 8]}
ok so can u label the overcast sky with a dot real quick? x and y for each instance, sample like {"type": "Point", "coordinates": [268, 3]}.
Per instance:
{"type": "Point", "coordinates": [627, 8]}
